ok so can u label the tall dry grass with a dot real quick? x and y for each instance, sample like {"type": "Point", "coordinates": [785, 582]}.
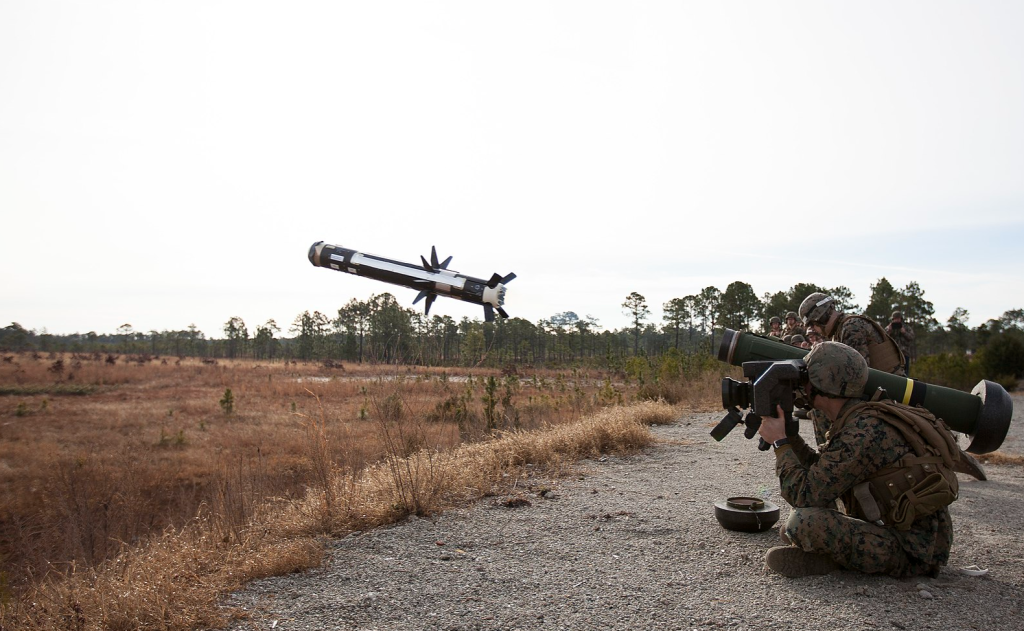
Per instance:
{"type": "Point", "coordinates": [136, 496]}
{"type": "Point", "coordinates": [174, 581]}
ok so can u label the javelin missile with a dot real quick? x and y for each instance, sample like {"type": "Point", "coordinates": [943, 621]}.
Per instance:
{"type": "Point", "coordinates": [432, 279]}
{"type": "Point", "coordinates": [984, 414]}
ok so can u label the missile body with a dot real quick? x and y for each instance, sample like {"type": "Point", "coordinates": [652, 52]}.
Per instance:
{"type": "Point", "coordinates": [432, 278]}
{"type": "Point", "coordinates": [984, 414]}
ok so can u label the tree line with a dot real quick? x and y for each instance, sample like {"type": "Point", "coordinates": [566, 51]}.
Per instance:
{"type": "Point", "coordinates": [381, 330]}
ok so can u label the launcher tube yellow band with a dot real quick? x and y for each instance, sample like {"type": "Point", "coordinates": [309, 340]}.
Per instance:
{"type": "Point", "coordinates": [910, 389]}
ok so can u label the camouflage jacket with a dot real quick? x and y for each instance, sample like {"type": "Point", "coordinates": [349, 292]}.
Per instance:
{"type": "Point", "coordinates": [864, 445]}
{"type": "Point", "coordinates": [859, 334]}
{"type": "Point", "coordinates": [904, 337]}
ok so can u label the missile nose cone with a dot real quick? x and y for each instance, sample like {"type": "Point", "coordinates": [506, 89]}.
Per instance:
{"type": "Point", "coordinates": [312, 252]}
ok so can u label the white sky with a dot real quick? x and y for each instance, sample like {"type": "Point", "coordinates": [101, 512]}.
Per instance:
{"type": "Point", "coordinates": [168, 163]}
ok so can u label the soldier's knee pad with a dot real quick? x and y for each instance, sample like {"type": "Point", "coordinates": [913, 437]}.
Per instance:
{"type": "Point", "coordinates": [800, 519]}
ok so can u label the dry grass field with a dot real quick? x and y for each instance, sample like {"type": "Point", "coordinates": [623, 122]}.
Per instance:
{"type": "Point", "coordinates": [135, 490]}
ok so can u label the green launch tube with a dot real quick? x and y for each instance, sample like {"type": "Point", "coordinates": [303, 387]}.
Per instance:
{"type": "Point", "coordinates": [984, 414]}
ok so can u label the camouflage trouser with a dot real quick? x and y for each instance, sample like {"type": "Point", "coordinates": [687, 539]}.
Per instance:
{"type": "Point", "coordinates": [853, 543]}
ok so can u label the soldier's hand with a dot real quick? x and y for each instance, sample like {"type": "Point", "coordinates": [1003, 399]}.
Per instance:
{"type": "Point", "coordinates": [773, 427]}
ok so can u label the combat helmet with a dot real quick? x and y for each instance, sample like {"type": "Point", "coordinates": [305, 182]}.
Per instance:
{"type": "Point", "coordinates": [775, 320]}
{"type": "Point", "coordinates": [792, 314]}
{"type": "Point", "coordinates": [835, 369]}
{"type": "Point", "coordinates": [897, 314]}
{"type": "Point", "coordinates": [816, 308]}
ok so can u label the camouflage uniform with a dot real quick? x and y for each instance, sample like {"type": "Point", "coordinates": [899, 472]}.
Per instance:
{"type": "Point", "coordinates": [797, 329]}
{"type": "Point", "coordinates": [904, 338]}
{"type": "Point", "coordinates": [812, 482]}
{"type": "Point", "coordinates": [858, 333]}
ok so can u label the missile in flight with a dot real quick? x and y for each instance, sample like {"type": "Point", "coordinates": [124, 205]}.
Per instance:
{"type": "Point", "coordinates": [432, 278]}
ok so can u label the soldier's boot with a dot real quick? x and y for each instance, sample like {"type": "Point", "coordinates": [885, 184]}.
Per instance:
{"type": "Point", "coordinates": [969, 465]}
{"type": "Point", "coordinates": [793, 562]}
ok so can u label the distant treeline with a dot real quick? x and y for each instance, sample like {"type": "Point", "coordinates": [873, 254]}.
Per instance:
{"type": "Point", "coordinates": [379, 329]}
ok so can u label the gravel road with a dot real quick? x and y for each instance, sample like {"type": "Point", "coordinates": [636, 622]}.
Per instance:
{"type": "Point", "coordinates": [632, 543]}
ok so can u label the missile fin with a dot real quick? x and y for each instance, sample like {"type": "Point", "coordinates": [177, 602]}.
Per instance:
{"type": "Point", "coordinates": [497, 278]}
{"type": "Point", "coordinates": [433, 265]}
{"type": "Point", "coordinates": [430, 296]}
{"type": "Point", "coordinates": [488, 312]}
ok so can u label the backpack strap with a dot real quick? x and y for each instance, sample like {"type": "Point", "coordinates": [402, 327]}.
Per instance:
{"type": "Point", "coordinates": [927, 435]}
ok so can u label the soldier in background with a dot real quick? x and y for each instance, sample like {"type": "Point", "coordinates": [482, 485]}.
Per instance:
{"type": "Point", "coordinates": [793, 326]}
{"type": "Point", "coordinates": [775, 327]}
{"type": "Point", "coordinates": [903, 335]}
{"type": "Point", "coordinates": [814, 337]}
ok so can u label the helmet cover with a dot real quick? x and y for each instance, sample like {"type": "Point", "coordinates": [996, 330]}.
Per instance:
{"type": "Point", "coordinates": [816, 308]}
{"type": "Point", "coordinates": [836, 369]}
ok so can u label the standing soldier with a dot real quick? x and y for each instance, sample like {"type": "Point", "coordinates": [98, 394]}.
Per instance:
{"type": "Point", "coordinates": [868, 338]}
{"type": "Point", "coordinates": [775, 329]}
{"type": "Point", "coordinates": [904, 337]}
{"type": "Point", "coordinates": [793, 326]}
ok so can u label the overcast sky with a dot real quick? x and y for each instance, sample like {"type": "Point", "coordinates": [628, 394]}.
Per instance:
{"type": "Point", "coordinates": [168, 163]}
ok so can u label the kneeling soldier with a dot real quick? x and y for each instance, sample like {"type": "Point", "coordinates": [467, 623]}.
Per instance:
{"type": "Point", "coordinates": [889, 464]}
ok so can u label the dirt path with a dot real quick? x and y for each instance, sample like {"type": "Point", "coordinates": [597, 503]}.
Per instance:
{"type": "Point", "coordinates": [633, 544]}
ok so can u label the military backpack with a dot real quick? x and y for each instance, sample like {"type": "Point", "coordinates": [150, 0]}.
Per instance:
{"type": "Point", "coordinates": [918, 484]}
